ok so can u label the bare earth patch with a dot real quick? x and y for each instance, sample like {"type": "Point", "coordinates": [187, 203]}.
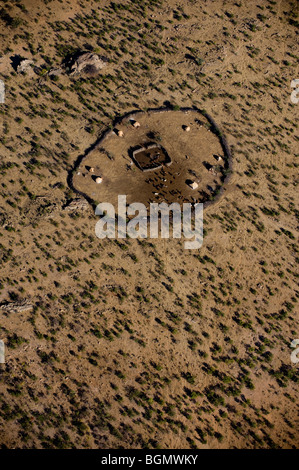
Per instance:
{"type": "Point", "coordinates": [195, 152]}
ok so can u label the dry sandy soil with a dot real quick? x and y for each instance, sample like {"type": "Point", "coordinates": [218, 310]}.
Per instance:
{"type": "Point", "coordinates": [130, 343]}
{"type": "Point", "coordinates": [193, 158]}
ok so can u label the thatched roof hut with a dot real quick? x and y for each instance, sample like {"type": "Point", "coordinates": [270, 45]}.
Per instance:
{"type": "Point", "coordinates": [193, 185]}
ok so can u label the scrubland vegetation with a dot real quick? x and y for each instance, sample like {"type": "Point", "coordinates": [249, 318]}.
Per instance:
{"type": "Point", "coordinates": [141, 343]}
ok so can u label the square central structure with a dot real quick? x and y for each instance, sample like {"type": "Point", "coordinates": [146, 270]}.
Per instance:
{"type": "Point", "coordinates": [150, 156]}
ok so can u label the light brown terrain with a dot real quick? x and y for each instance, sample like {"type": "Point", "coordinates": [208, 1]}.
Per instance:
{"type": "Point", "coordinates": [141, 343]}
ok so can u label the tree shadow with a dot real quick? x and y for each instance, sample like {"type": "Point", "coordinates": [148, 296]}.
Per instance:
{"type": "Point", "coordinates": [16, 60]}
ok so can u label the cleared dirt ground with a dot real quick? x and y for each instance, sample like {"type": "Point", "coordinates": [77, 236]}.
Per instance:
{"type": "Point", "coordinates": [192, 153]}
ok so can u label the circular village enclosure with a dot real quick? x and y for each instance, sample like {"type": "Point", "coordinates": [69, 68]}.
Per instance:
{"type": "Point", "coordinates": [162, 155]}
